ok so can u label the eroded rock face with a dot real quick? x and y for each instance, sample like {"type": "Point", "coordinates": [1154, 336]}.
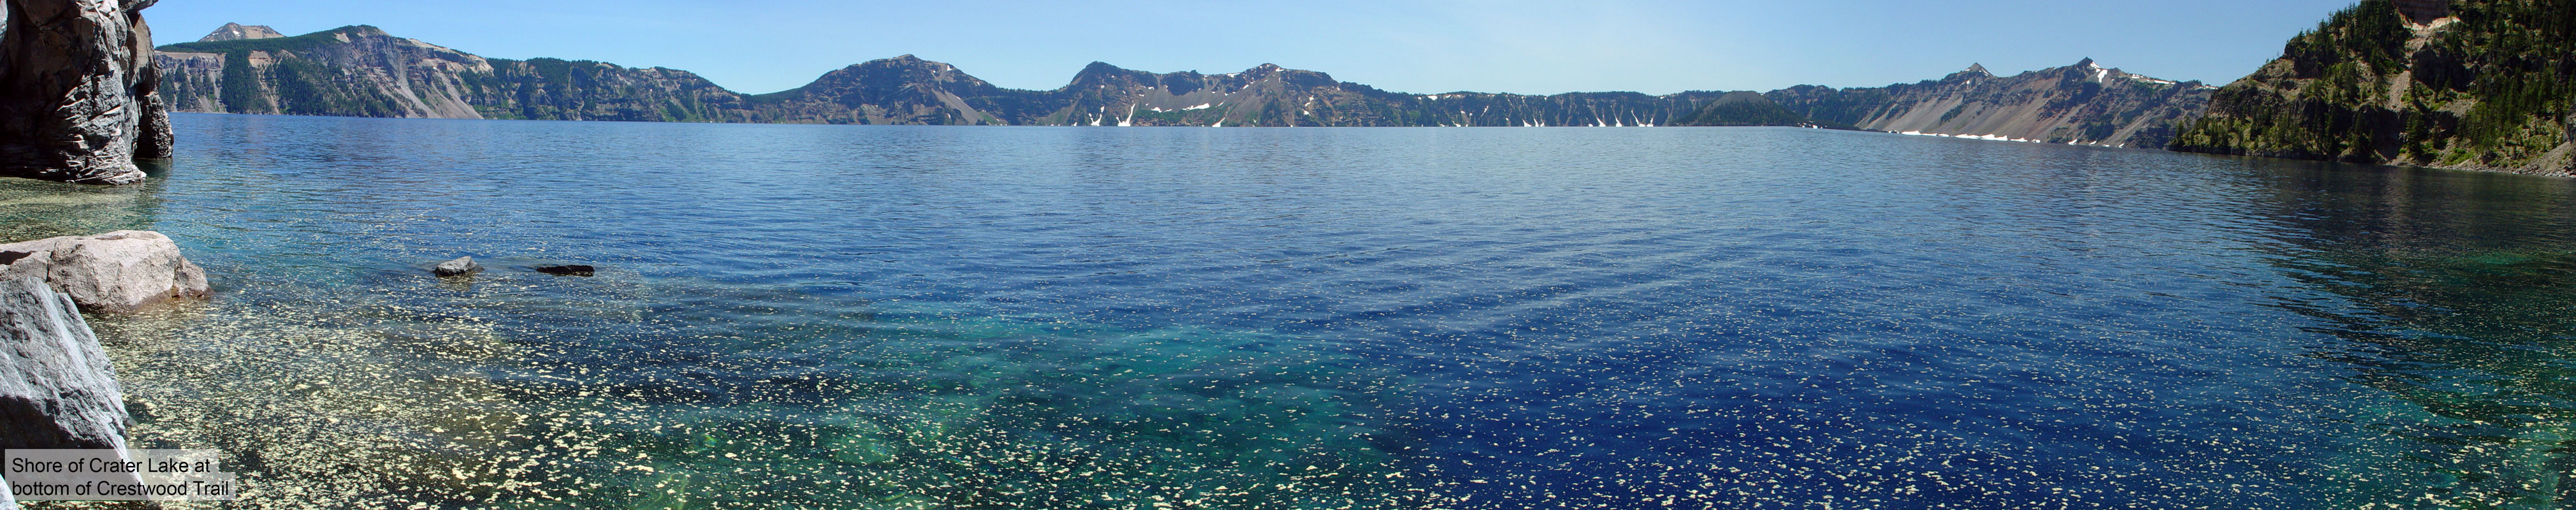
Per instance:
{"type": "Point", "coordinates": [115, 272]}
{"type": "Point", "coordinates": [76, 91]}
{"type": "Point", "coordinates": [57, 389]}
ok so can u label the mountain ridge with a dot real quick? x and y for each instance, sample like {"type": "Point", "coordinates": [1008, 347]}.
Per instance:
{"type": "Point", "coordinates": [360, 70]}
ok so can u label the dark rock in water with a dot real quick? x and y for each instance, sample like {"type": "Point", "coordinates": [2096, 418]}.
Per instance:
{"type": "Point", "coordinates": [571, 270]}
{"type": "Point", "coordinates": [115, 272]}
{"type": "Point", "coordinates": [460, 267]}
{"type": "Point", "coordinates": [76, 91]}
{"type": "Point", "coordinates": [155, 142]}
{"type": "Point", "coordinates": [57, 389]}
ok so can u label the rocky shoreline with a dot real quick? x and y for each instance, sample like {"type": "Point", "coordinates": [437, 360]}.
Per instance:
{"type": "Point", "coordinates": [57, 387]}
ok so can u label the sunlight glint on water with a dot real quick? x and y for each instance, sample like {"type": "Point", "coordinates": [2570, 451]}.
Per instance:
{"type": "Point", "coordinates": [834, 316]}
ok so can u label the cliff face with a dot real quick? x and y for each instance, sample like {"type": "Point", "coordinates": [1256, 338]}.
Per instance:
{"type": "Point", "coordinates": [77, 84]}
{"type": "Point", "coordinates": [1751, 109]}
{"type": "Point", "coordinates": [361, 71]}
{"type": "Point", "coordinates": [2470, 84]}
{"type": "Point", "coordinates": [2083, 103]}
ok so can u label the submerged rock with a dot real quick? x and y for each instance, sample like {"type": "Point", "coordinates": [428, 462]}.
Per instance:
{"type": "Point", "coordinates": [568, 270]}
{"type": "Point", "coordinates": [77, 83]}
{"type": "Point", "coordinates": [57, 389]}
{"type": "Point", "coordinates": [115, 272]}
{"type": "Point", "coordinates": [460, 267]}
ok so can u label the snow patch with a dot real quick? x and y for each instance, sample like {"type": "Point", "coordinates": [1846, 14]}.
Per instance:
{"type": "Point", "coordinates": [1997, 138]}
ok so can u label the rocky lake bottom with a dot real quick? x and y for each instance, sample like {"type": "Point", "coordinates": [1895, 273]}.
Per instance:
{"type": "Point", "coordinates": [935, 317]}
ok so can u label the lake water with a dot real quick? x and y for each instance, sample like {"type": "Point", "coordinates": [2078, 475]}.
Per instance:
{"type": "Point", "coordinates": [931, 317]}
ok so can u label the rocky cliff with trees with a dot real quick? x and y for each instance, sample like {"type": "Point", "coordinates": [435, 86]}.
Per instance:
{"type": "Point", "coordinates": [2470, 84]}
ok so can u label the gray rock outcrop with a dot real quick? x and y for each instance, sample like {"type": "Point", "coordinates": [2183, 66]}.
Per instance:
{"type": "Point", "coordinates": [460, 267]}
{"type": "Point", "coordinates": [57, 389]}
{"type": "Point", "coordinates": [115, 272]}
{"type": "Point", "coordinates": [76, 83]}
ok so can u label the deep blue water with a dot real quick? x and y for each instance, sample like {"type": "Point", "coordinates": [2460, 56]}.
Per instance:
{"type": "Point", "coordinates": [934, 317]}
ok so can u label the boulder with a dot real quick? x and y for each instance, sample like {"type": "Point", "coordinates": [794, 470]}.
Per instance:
{"type": "Point", "coordinates": [460, 267]}
{"type": "Point", "coordinates": [568, 270]}
{"type": "Point", "coordinates": [76, 91]}
{"type": "Point", "coordinates": [115, 272]}
{"type": "Point", "coordinates": [57, 389]}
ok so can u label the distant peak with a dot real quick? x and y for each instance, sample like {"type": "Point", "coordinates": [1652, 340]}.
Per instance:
{"type": "Point", "coordinates": [1978, 68]}
{"type": "Point", "coordinates": [237, 31]}
{"type": "Point", "coordinates": [2088, 62]}
{"type": "Point", "coordinates": [363, 30]}
{"type": "Point", "coordinates": [904, 60]}
{"type": "Point", "coordinates": [1099, 68]}
{"type": "Point", "coordinates": [1099, 72]}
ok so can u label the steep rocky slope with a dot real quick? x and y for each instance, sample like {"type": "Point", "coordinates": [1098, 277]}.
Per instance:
{"type": "Point", "coordinates": [2083, 103]}
{"type": "Point", "coordinates": [77, 99]}
{"type": "Point", "coordinates": [2472, 84]}
{"type": "Point", "coordinates": [361, 71]}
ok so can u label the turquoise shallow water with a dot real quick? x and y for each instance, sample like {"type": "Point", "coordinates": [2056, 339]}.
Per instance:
{"type": "Point", "coordinates": [927, 317]}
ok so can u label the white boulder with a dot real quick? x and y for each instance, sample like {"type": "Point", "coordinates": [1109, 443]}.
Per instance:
{"type": "Point", "coordinates": [115, 272]}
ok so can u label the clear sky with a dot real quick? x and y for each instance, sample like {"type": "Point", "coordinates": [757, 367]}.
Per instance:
{"type": "Point", "coordinates": [1528, 47]}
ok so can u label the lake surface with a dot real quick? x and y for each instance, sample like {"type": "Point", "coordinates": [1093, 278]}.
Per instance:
{"type": "Point", "coordinates": [931, 317]}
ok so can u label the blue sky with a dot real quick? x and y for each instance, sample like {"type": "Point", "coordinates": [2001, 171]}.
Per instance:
{"type": "Point", "coordinates": [1526, 47]}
